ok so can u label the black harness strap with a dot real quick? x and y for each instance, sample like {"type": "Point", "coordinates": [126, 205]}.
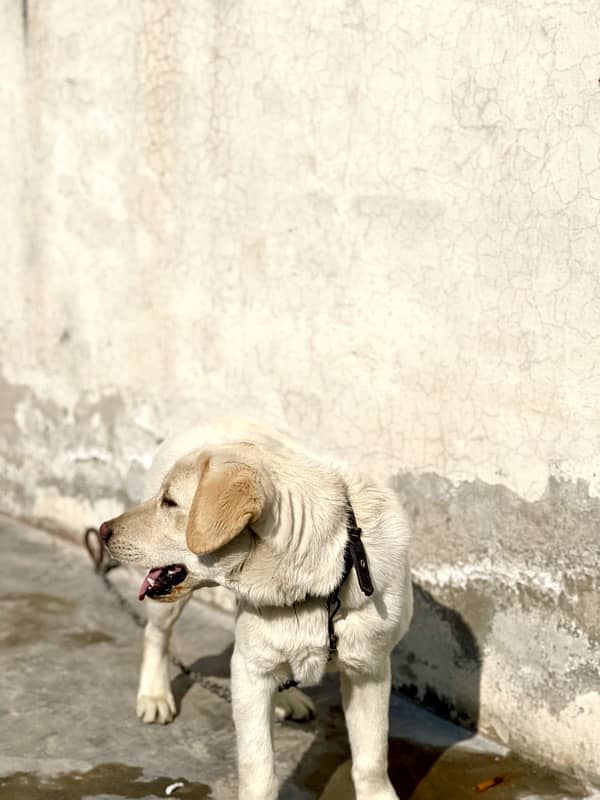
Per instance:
{"type": "Point", "coordinates": [358, 554]}
{"type": "Point", "coordinates": [354, 556]}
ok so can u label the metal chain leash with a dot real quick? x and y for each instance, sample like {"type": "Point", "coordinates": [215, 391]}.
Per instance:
{"type": "Point", "coordinates": [103, 564]}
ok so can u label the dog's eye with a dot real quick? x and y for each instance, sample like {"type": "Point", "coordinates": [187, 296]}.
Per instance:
{"type": "Point", "coordinates": [168, 502]}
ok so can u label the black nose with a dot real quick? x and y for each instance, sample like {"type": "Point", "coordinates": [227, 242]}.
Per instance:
{"type": "Point", "coordinates": [105, 531]}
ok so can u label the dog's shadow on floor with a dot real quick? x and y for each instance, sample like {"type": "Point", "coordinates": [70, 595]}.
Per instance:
{"type": "Point", "coordinates": [323, 772]}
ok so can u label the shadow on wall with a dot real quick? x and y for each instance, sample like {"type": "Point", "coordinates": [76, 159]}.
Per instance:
{"type": "Point", "coordinates": [440, 643]}
{"type": "Point", "coordinates": [438, 659]}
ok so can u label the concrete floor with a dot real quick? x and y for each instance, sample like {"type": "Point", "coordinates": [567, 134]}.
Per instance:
{"type": "Point", "coordinates": [68, 669]}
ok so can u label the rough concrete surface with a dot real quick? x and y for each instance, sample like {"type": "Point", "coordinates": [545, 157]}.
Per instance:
{"type": "Point", "coordinates": [375, 224]}
{"type": "Point", "coordinates": [68, 666]}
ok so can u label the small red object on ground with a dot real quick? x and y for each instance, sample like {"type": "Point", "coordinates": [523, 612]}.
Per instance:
{"type": "Point", "coordinates": [483, 786]}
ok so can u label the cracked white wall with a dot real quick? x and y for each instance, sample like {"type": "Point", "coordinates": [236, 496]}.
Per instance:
{"type": "Point", "coordinates": [373, 223]}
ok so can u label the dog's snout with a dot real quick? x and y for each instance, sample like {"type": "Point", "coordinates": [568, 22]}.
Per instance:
{"type": "Point", "coordinates": [106, 531]}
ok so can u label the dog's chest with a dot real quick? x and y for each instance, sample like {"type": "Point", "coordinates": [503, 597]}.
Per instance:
{"type": "Point", "coordinates": [307, 667]}
{"type": "Point", "coordinates": [290, 643]}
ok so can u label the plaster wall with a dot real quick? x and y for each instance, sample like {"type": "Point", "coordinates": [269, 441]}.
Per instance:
{"type": "Point", "coordinates": [374, 224]}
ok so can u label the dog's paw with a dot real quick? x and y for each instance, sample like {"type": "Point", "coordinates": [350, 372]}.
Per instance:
{"type": "Point", "coordinates": [293, 704]}
{"type": "Point", "coordinates": [156, 708]}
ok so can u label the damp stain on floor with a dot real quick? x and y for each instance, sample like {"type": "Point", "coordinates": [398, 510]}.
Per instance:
{"type": "Point", "coordinates": [117, 780]}
{"type": "Point", "coordinates": [28, 617]}
{"type": "Point", "coordinates": [85, 638]}
{"type": "Point", "coordinates": [430, 774]}
{"type": "Point", "coordinates": [417, 773]}
{"type": "Point", "coordinates": [420, 771]}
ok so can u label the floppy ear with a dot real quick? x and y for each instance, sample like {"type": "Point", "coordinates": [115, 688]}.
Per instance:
{"type": "Point", "coordinates": [228, 498]}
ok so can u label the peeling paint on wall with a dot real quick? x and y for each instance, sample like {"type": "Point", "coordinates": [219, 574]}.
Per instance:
{"type": "Point", "coordinates": [71, 467]}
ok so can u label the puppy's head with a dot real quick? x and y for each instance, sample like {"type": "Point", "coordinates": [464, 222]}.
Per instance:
{"type": "Point", "coordinates": [206, 505]}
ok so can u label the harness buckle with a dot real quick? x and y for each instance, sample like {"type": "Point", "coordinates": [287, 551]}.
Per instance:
{"type": "Point", "coordinates": [359, 559]}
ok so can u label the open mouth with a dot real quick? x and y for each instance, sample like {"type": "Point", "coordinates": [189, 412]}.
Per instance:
{"type": "Point", "coordinates": [160, 580]}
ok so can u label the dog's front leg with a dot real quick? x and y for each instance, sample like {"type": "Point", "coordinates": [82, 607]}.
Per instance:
{"type": "Point", "coordinates": [251, 698]}
{"type": "Point", "coordinates": [366, 700]}
{"type": "Point", "coordinates": [155, 702]}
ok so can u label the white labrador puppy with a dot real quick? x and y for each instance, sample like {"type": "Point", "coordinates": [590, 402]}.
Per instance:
{"type": "Point", "coordinates": [248, 508]}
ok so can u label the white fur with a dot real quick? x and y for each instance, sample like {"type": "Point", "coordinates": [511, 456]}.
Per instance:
{"type": "Point", "coordinates": [296, 549]}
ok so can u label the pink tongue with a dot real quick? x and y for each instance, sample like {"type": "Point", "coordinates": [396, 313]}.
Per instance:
{"type": "Point", "coordinates": [153, 573]}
